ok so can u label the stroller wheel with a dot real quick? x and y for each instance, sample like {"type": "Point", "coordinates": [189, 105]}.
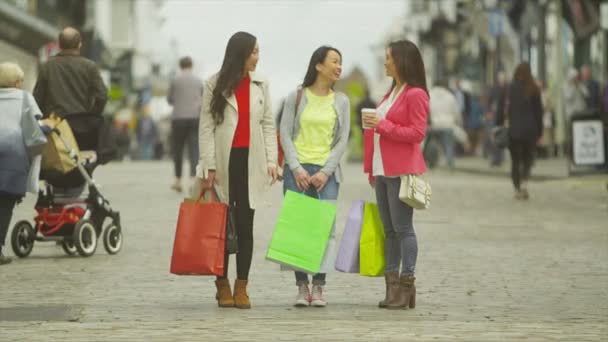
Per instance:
{"type": "Point", "coordinates": [68, 247]}
{"type": "Point", "coordinates": [85, 238]}
{"type": "Point", "coordinates": [22, 239]}
{"type": "Point", "coordinates": [112, 239]}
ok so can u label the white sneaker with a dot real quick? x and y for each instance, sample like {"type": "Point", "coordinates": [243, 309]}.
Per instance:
{"type": "Point", "coordinates": [303, 298]}
{"type": "Point", "coordinates": [317, 299]}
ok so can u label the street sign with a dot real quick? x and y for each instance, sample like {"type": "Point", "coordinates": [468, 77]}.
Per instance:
{"type": "Point", "coordinates": [588, 142]}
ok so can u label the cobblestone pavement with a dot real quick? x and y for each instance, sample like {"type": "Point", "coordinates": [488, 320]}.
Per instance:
{"type": "Point", "coordinates": [490, 268]}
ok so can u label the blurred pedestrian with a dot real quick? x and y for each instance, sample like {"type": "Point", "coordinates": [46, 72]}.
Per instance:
{"type": "Point", "coordinates": [367, 102]}
{"type": "Point", "coordinates": [574, 93]}
{"type": "Point", "coordinates": [238, 149]}
{"type": "Point", "coordinates": [147, 135]}
{"type": "Point", "coordinates": [446, 121]}
{"type": "Point", "coordinates": [546, 146]}
{"type": "Point", "coordinates": [314, 137]}
{"type": "Point", "coordinates": [69, 84]}
{"type": "Point", "coordinates": [473, 123]}
{"type": "Point", "coordinates": [397, 130]}
{"type": "Point", "coordinates": [185, 95]}
{"type": "Point", "coordinates": [592, 96]}
{"type": "Point", "coordinates": [524, 117]}
{"type": "Point", "coordinates": [20, 135]}
{"type": "Point", "coordinates": [497, 106]}
{"type": "Point", "coordinates": [464, 100]}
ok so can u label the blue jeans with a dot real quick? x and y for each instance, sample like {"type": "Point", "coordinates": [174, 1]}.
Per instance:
{"type": "Point", "coordinates": [329, 192]}
{"type": "Point", "coordinates": [400, 244]}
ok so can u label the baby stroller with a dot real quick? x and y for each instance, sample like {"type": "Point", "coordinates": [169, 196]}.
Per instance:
{"type": "Point", "coordinates": [66, 216]}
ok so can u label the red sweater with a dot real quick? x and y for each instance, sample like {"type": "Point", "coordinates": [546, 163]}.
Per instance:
{"type": "Point", "coordinates": [241, 135]}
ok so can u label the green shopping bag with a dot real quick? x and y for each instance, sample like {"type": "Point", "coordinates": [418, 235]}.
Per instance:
{"type": "Point", "coordinates": [301, 233]}
{"type": "Point", "coordinates": [371, 244]}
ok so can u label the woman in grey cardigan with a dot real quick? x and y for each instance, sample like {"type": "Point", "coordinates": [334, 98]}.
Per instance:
{"type": "Point", "coordinates": [19, 132]}
{"type": "Point", "coordinates": [314, 137]}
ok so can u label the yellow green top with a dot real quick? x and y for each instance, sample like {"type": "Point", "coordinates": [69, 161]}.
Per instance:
{"type": "Point", "coordinates": [317, 124]}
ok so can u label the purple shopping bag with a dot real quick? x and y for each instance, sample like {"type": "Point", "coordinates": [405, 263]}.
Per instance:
{"type": "Point", "coordinates": [347, 259]}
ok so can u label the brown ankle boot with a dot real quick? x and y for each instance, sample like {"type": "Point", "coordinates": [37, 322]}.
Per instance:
{"type": "Point", "coordinates": [224, 295]}
{"type": "Point", "coordinates": [406, 294]}
{"type": "Point", "coordinates": [241, 299]}
{"type": "Point", "coordinates": [390, 277]}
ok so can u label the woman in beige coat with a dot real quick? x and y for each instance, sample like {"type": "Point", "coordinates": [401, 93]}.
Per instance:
{"type": "Point", "coordinates": [238, 145]}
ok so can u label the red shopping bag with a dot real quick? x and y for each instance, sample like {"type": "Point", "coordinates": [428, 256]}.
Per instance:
{"type": "Point", "coordinates": [200, 237]}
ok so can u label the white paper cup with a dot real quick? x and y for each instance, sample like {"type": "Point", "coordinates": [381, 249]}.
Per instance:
{"type": "Point", "coordinates": [366, 112]}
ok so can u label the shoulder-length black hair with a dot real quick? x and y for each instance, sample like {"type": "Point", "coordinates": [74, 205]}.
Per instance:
{"type": "Point", "coordinates": [523, 75]}
{"type": "Point", "coordinates": [409, 64]}
{"type": "Point", "coordinates": [239, 48]}
{"type": "Point", "coordinates": [318, 57]}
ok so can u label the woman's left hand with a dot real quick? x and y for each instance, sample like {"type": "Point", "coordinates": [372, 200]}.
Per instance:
{"type": "Point", "coordinates": [318, 180]}
{"type": "Point", "coordinates": [273, 173]}
{"type": "Point", "coordinates": [371, 121]}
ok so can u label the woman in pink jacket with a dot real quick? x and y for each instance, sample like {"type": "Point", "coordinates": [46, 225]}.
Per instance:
{"type": "Point", "coordinates": [392, 149]}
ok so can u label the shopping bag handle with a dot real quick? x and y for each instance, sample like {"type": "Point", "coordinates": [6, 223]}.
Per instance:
{"type": "Point", "coordinates": [214, 194]}
{"type": "Point", "coordinates": [318, 193]}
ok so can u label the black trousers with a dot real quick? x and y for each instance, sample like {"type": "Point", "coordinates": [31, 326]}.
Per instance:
{"type": "Point", "coordinates": [7, 204]}
{"type": "Point", "coordinates": [243, 214]}
{"type": "Point", "coordinates": [522, 157]}
{"type": "Point", "coordinates": [184, 132]}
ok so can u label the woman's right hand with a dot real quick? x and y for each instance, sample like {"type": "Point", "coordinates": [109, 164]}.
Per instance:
{"type": "Point", "coordinates": [208, 182]}
{"type": "Point", "coordinates": [372, 181]}
{"type": "Point", "coordinates": [302, 180]}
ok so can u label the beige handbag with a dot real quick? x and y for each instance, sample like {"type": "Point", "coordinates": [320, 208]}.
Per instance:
{"type": "Point", "coordinates": [55, 155]}
{"type": "Point", "coordinates": [415, 192]}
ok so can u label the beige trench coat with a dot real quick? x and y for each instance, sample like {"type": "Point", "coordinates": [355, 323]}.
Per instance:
{"type": "Point", "coordinates": [215, 141]}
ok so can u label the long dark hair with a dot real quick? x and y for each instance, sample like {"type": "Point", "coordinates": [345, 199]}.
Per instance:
{"type": "Point", "coordinates": [523, 75]}
{"type": "Point", "coordinates": [318, 57]}
{"type": "Point", "coordinates": [239, 48]}
{"type": "Point", "coordinates": [408, 61]}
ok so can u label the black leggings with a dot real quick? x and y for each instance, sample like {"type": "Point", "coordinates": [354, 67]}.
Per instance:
{"type": "Point", "coordinates": [239, 198]}
{"type": "Point", "coordinates": [184, 132]}
{"type": "Point", "coordinates": [7, 204]}
{"type": "Point", "coordinates": [522, 156]}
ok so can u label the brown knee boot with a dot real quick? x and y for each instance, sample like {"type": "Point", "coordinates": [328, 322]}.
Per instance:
{"type": "Point", "coordinates": [390, 278]}
{"type": "Point", "coordinates": [224, 295]}
{"type": "Point", "coordinates": [241, 299]}
{"type": "Point", "coordinates": [406, 294]}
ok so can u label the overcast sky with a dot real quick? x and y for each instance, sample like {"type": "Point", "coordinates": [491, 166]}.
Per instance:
{"type": "Point", "coordinates": [288, 31]}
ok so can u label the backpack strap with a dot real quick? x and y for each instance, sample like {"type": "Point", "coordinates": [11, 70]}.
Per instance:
{"type": "Point", "coordinates": [298, 99]}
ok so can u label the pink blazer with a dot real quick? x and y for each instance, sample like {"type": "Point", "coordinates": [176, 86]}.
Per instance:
{"type": "Point", "coordinates": [401, 133]}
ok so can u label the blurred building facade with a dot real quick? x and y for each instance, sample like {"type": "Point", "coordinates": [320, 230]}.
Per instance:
{"type": "Point", "coordinates": [121, 36]}
{"type": "Point", "coordinates": [474, 39]}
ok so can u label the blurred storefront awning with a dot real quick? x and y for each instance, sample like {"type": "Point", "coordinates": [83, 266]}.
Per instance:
{"type": "Point", "coordinates": [27, 32]}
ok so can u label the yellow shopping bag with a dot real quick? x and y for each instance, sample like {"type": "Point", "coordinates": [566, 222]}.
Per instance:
{"type": "Point", "coordinates": [371, 245]}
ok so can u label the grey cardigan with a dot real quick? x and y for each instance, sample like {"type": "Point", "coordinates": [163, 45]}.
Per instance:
{"type": "Point", "coordinates": [290, 127]}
